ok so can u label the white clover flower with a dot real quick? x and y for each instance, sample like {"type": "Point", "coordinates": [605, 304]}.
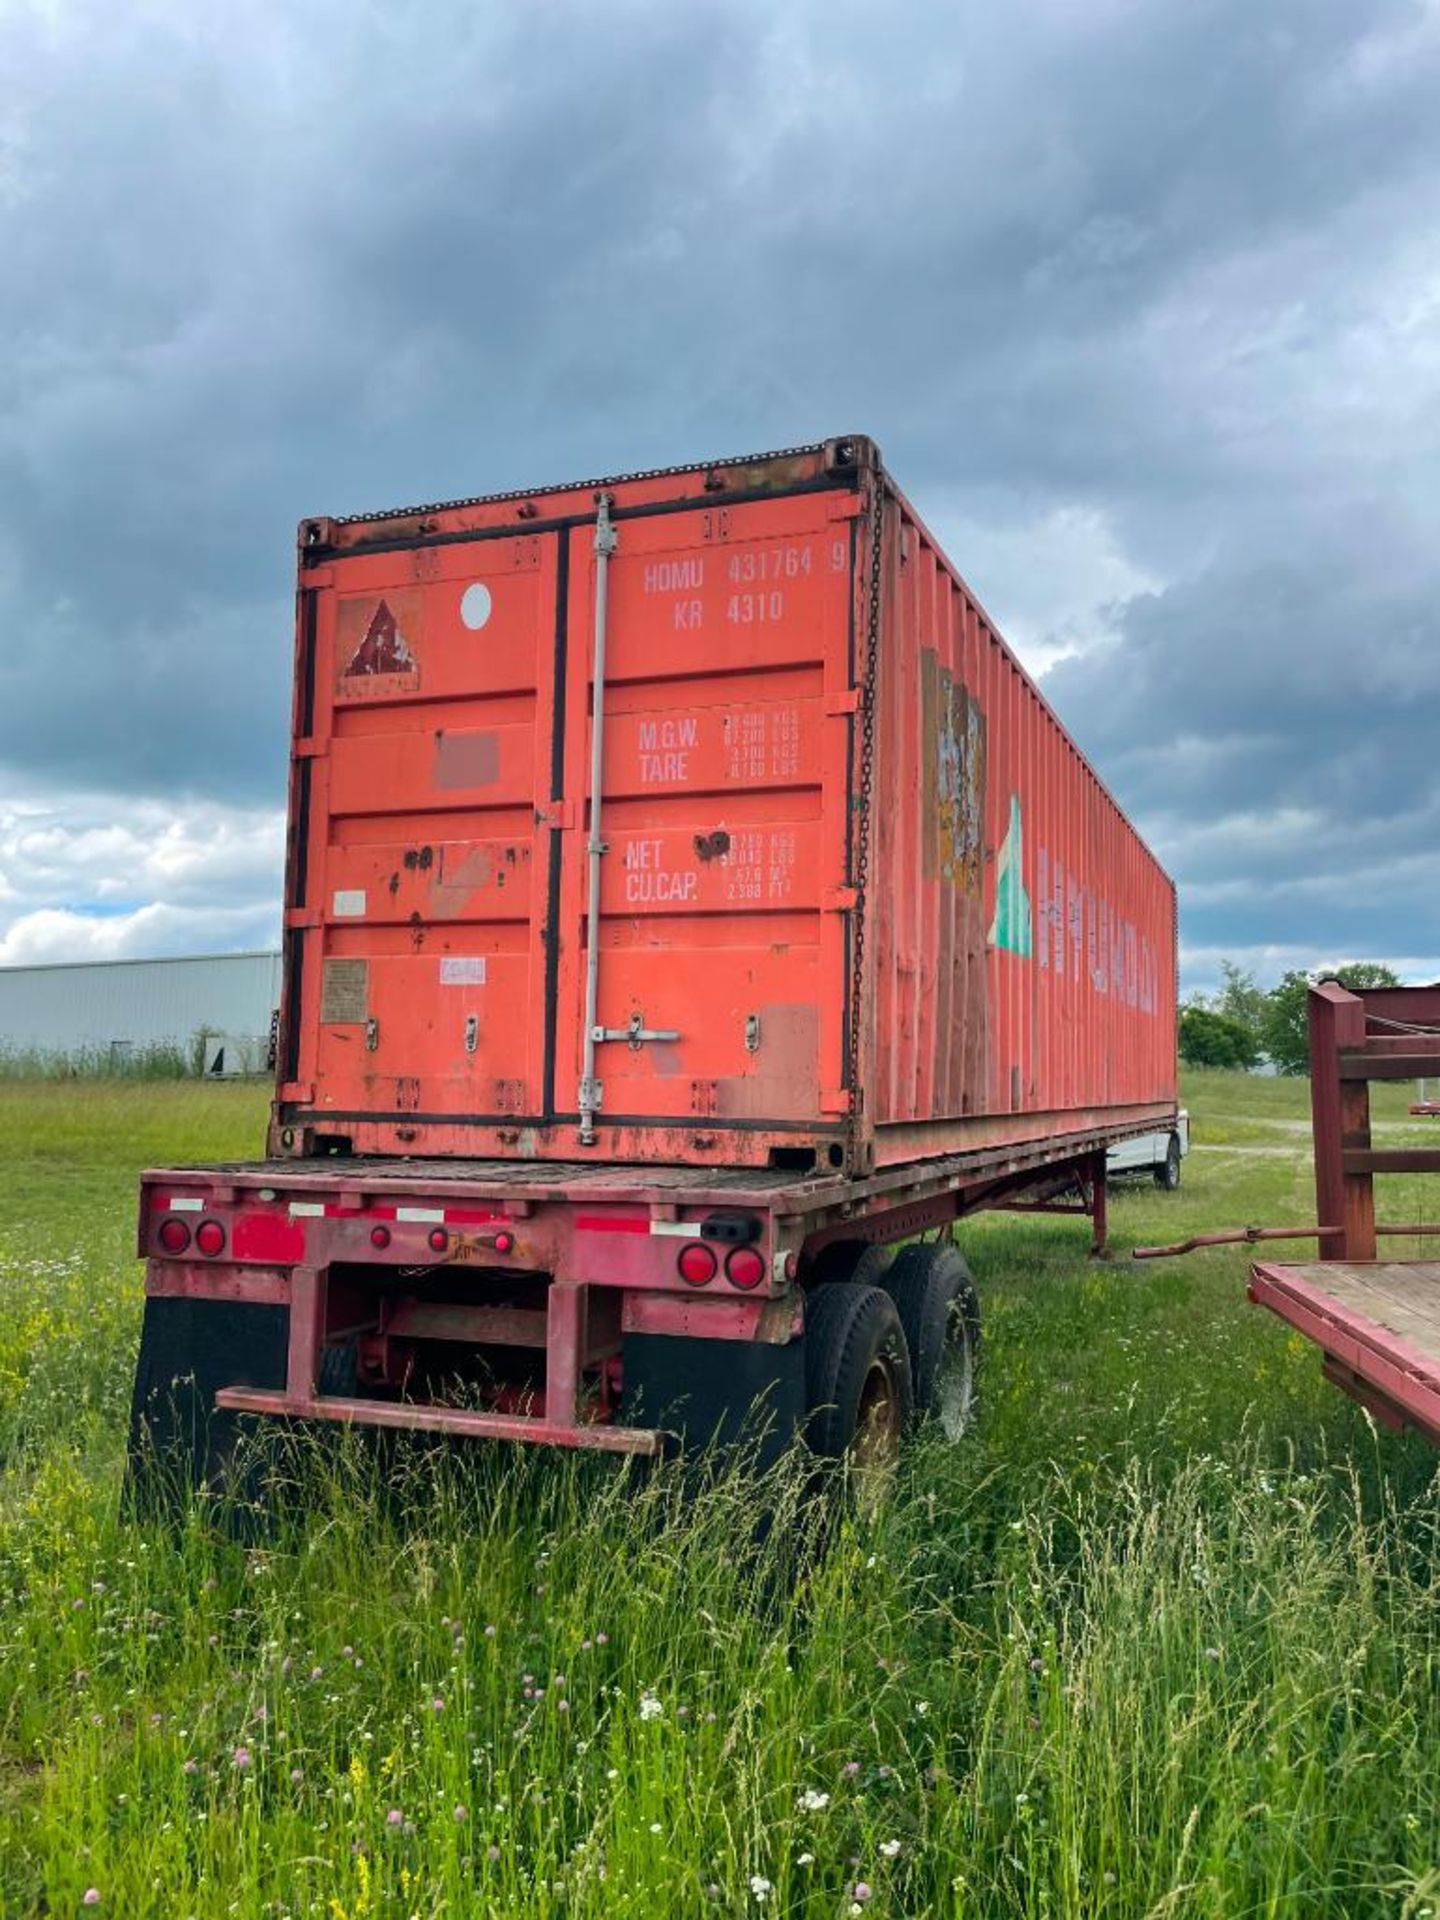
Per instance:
{"type": "Point", "coordinates": [650, 1707]}
{"type": "Point", "coordinates": [889, 1848]}
{"type": "Point", "coordinates": [813, 1801]}
{"type": "Point", "coordinates": [804, 1859]}
{"type": "Point", "coordinates": [760, 1887]}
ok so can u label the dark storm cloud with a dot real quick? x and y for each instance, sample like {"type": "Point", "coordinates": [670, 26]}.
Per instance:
{"type": "Point", "coordinates": [1161, 272]}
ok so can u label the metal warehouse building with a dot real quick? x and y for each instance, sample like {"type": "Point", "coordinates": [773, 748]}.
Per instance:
{"type": "Point", "coordinates": [116, 1007]}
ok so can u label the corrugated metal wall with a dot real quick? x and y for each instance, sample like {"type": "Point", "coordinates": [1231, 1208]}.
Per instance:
{"type": "Point", "coordinates": [62, 1009]}
{"type": "Point", "coordinates": [1024, 934]}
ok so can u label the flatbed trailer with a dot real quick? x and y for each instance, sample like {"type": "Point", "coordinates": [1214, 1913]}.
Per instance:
{"type": "Point", "coordinates": [604, 1306]}
{"type": "Point", "coordinates": [1375, 1321]}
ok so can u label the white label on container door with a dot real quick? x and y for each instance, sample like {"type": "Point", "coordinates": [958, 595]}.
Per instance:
{"type": "Point", "coordinates": [461, 970]}
{"type": "Point", "coordinates": [349, 903]}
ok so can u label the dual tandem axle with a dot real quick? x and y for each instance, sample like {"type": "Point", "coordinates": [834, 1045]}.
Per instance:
{"type": "Point", "coordinates": [619, 1308]}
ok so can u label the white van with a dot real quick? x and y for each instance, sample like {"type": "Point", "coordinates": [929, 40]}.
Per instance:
{"type": "Point", "coordinates": [1159, 1153]}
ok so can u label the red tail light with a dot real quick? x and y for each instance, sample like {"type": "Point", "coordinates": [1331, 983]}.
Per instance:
{"type": "Point", "coordinates": [210, 1237]}
{"type": "Point", "coordinates": [697, 1263]}
{"type": "Point", "coordinates": [439, 1239]}
{"type": "Point", "coordinates": [174, 1235]}
{"type": "Point", "coordinates": [380, 1237]}
{"type": "Point", "coordinates": [745, 1267]}
{"type": "Point", "coordinates": [504, 1242]}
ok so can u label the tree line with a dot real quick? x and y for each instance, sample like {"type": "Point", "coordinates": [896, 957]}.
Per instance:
{"type": "Point", "coordinates": [1244, 1023]}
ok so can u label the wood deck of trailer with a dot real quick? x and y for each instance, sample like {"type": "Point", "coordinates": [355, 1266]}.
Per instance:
{"type": "Point", "coordinates": [1377, 1324]}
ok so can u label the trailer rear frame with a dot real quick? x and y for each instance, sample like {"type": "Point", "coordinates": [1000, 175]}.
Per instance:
{"type": "Point", "coordinates": [575, 1265]}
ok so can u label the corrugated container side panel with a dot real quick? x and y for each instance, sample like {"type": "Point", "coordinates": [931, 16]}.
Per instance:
{"type": "Point", "coordinates": [1024, 952]}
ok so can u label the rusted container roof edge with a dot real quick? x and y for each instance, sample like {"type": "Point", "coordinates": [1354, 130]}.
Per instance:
{"type": "Point", "coordinates": [603, 480]}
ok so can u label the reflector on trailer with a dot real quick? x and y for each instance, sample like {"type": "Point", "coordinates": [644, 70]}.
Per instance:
{"type": "Point", "coordinates": [745, 1267]}
{"type": "Point", "coordinates": [210, 1237]}
{"type": "Point", "coordinates": [174, 1236]}
{"type": "Point", "coordinates": [697, 1263]}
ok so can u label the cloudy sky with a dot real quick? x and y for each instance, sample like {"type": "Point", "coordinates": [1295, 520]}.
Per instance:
{"type": "Point", "coordinates": [1141, 298]}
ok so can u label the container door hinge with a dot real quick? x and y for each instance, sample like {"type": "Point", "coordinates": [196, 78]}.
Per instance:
{"type": "Point", "coordinates": [372, 1034]}
{"type": "Point", "coordinates": [752, 1033]}
{"type": "Point", "coordinates": [842, 899]}
{"type": "Point", "coordinates": [835, 1100]}
{"type": "Point", "coordinates": [472, 1032]}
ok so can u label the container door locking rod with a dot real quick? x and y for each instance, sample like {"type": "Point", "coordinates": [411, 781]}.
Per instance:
{"type": "Point", "coordinates": [591, 1091]}
{"type": "Point", "coordinates": [636, 1034]}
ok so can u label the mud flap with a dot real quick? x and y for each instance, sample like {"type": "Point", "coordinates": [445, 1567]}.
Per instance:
{"type": "Point", "coordinates": [716, 1392]}
{"type": "Point", "coordinates": [179, 1439]}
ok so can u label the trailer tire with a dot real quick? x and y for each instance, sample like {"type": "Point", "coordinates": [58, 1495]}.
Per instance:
{"type": "Point", "coordinates": [1167, 1174]}
{"type": "Point", "coordinates": [936, 1300]}
{"type": "Point", "coordinates": [857, 1374]}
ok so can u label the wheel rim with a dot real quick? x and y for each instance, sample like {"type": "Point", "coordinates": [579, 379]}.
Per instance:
{"type": "Point", "coordinates": [955, 1384]}
{"type": "Point", "coordinates": [878, 1418]}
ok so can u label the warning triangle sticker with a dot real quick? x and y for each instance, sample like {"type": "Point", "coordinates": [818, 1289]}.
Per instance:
{"type": "Point", "coordinates": [383, 649]}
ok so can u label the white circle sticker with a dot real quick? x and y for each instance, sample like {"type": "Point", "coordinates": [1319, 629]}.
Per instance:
{"type": "Point", "coordinates": [475, 605]}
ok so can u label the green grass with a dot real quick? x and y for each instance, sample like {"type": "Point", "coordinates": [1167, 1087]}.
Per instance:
{"type": "Point", "coordinates": [153, 1060]}
{"type": "Point", "coordinates": [1160, 1640]}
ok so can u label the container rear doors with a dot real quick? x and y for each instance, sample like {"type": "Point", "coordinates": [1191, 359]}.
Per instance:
{"type": "Point", "coordinates": [438, 889]}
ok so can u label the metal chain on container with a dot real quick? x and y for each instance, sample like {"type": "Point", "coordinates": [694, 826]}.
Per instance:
{"type": "Point", "coordinates": [861, 869]}
{"type": "Point", "coordinates": [575, 486]}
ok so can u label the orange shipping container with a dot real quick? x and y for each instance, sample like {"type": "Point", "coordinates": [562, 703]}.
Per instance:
{"type": "Point", "coordinates": [843, 894]}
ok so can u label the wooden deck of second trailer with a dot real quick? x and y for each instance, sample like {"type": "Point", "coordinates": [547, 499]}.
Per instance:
{"type": "Point", "coordinates": [1377, 1324]}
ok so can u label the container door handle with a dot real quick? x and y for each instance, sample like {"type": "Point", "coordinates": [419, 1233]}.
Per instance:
{"type": "Point", "coordinates": [637, 1034]}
